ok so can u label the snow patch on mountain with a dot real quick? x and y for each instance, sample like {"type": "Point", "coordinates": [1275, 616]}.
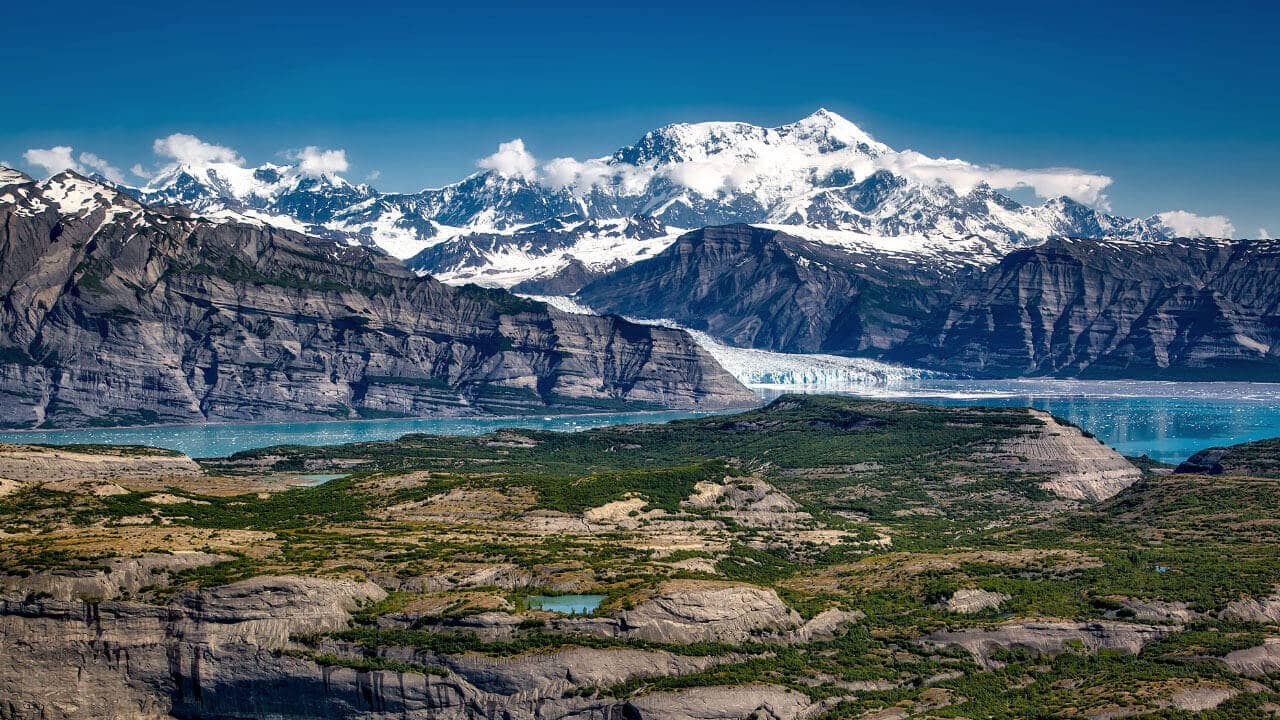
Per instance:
{"type": "Point", "coordinates": [506, 260]}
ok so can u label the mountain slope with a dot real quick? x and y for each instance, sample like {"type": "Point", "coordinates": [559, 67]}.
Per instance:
{"type": "Point", "coordinates": [115, 312]}
{"type": "Point", "coordinates": [1190, 309]}
{"type": "Point", "coordinates": [1185, 309]}
{"type": "Point", "coordinates": [763, 288]}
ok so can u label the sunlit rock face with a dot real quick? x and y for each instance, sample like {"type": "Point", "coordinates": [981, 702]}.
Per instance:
{"type": "Point", "coordinates": [120, 313]}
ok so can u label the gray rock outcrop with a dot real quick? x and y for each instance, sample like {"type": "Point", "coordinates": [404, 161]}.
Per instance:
{"type": "Point", "coordinates": [1143, 308]}
{"type": "Point", "coordinates": [1259, 610]}
{"type": "Point", "coordinates": [1259, 661]}
{"type": "Point", "coordinates": [696, 611]}
{"type": "Point", "coordinates": [1049, 637]}
{"type": "Point", "coordinates": [968, 601]}
{"type": "Point", "coordinates": [226, 652]}
{"type": "Point", "coordinates": [117, 577]}
{"type": "Point", "coordinates": [1079, 467]}
{"type": "Point", "coordinates": [720, 703]}
{"type": "Point", "coordinates": [210, 653]}
{"type": "Point", "coordinates": [29, 463]}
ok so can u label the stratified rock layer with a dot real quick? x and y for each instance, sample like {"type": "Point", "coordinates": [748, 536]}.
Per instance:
{"type": "Point", "coordinates": [116, 313]}
{"type": "Point", "coordinates": [1169, 309]}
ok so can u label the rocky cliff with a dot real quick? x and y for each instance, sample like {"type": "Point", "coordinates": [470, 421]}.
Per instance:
{"type": "Point", "coordinates": [114, 312]}
{"type": "Point", "coordinates": [1175, 309]}
{"type": "Point", "coordinates": [1185, 309]}
{"type": "Point", "coordinates": [227, 652]}
{"type": "Point", "coordinates": [757, 287]}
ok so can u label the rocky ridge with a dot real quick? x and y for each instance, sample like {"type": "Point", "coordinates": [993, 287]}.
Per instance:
{"type": "Point", "coordinates": [1154, 309]}
{"type": "Point", "coordinates": [119, 313]}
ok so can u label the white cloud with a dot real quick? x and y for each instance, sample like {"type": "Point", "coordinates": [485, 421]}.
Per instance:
{"type": "Point", "coordinates": [104, 168]}
{"type": "Point", "coordinates": [315, 161]}
{"type": "Point", "coordinates": [782, 167]}
{"type": "Point", "coordinates": [583, 175]}
{"type": "Point", "coordinates": [511, 160]}
{"type": "Point", "coordinates": [373, 176]}
{"type": "Point", "coordinates": [53, 160]}
{"type": "Point", "coordinates": [62, 157]}
{"type": "Point", "coordinates": [140, 171]}
{"type": "Point", "coordinates": [1189, 224]}
{"type": "Point", "coordinates": [191, 150]}
{"type": "Point", "coordinates": [1264, 234]}
{"type": "Point", "coordinates": [1076, 184]}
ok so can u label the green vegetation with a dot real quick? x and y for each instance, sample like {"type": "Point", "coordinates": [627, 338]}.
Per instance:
{"type": "Point", "coordinates": [464, 525]}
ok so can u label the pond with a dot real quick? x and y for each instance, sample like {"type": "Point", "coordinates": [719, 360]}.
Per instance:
{"type": "Point", "coordinates": [566, 604]}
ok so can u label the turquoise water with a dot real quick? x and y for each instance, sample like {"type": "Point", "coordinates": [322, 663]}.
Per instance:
{"type": "Point", "coordinates": [220, 440]}
{"type": "Point", "coordinates": [314, 479]}
{"type": "Point", "coordinates": [1168, 421]}
{"type": "Point", "coordinates": [567, 604]}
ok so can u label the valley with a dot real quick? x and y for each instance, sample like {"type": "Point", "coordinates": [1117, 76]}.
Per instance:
{"type": "Point", "coordinates": [817, 557]}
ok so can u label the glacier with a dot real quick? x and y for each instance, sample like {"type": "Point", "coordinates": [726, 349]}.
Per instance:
{"type": "Point", "coordinates": [768, 370]}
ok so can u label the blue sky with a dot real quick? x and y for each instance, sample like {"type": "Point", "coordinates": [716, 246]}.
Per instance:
{"type": "Point", "coordinates": [1177, 102]}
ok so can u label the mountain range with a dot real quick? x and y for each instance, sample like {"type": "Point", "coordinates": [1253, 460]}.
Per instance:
{"type": "Point", "coordinates": [220, 291]}
{"type": "Point", "coordinates": [569, 221]}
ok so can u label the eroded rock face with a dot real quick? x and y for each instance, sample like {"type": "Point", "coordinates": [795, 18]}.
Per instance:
{"type": "Point", "coordinates": [1185, 309]}
{"type": "Point", "coordinates": [119, 576]}
{"type": "Point", "coordinates": [1160, 611]}
{"type": "Point", "coordinates": [720, 703]}
{"type": "Point", "coordinates": [1259, 610]}
{"type": "Point", "coordinates": [1080, 467]}
{"type": "Point", "coordinates": [1257, 661]}
{"type": "Point", "coordinates": [119, 313]}
{"type": "Point", "coordinates": [1049, 637]}
{"type": "Point", "coordinates": [756, 287]}
{"type": "Point", "coordinates": [1202, 697]}
{"type": "Point", "coordinates": [209, 653]}
{"type": "Point", "coordinates": [687, 612]}
{"type": "Point", "coordinates": [1142, 308]}
{"type": "Point", "coordinates": [28, 463]}
{"type": "Point", "coordinates": [551, 674]}
{"type": "Point", "coordinates": [217, 653]}
{"type": "Point", "coordinates": [749, 501]}
{"type": "Point", "coordinates": [968, 601]}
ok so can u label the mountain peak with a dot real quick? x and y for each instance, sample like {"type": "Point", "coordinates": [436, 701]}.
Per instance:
{"type": "Point", "coordinates": [835, 126]}
{"type": "Point", "coordinates": [74, 193]}
{"type": "Point", "coordinates": [9, 176]}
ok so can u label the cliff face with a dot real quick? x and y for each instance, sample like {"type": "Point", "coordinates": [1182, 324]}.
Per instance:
{"type": "Point", "coordinates": [226, 652]}
{"type": "Point", "coordinates": [1190, 309]}
{"type": "Point", "coordinates": [114, 312]}
{"type": "Point", "coordinates": [1185, 309]}
{"type": "Point", "coordinates": [755, 287]}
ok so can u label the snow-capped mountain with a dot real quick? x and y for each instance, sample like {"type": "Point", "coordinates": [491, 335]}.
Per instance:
{"type": "Point", "coordinates": [822, 173]}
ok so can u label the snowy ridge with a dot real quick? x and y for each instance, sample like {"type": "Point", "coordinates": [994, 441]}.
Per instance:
{"type": "Point", "coordinates": [821, 177]}
{"type": "Point", "coordinates": [766, 370]}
